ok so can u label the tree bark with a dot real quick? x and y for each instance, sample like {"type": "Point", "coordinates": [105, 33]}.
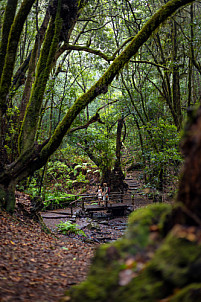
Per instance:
{"type": "Point", "coordinates": [8, 20]}
{"type": "Point", "coordinates": [117, 177]}
{"type": "Point", "coordinates": [176, 97]}
{"type": "Point", "coordinates": [32, 157]}
{"type": "Point", "coordinates": [12, 47]}
{"type": "Point", "coordinates": [11, 35]}
{"type": "Point", "coordinates": [189, 193]}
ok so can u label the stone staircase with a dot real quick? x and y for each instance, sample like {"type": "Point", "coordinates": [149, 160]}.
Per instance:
{"type": "Point", "coordinates": [138, 196]}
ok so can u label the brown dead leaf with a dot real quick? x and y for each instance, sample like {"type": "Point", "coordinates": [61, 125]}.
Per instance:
{"type": "Point", "coordinates": [191, 237]}
{"type": "Point", "coordinates": [125, 277]}
{"type": "Point", "coordinates": [130, 262]}
{"type": "Point", "coordinates": [154, 228]}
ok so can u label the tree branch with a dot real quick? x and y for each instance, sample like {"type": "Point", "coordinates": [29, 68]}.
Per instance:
{"type": "Point", "coordinates": [101, 86]}
{"type": "Point", "coordinates": [93, 119]}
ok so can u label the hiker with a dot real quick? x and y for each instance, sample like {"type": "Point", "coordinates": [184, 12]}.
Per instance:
{"type": "Point", "coordinates": [99, 195]}
{"type": "Point", "coordinates": [105, 193]}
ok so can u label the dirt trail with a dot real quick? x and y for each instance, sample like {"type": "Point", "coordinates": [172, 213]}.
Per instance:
{"type": "Point", "coordinates": [37, 267]}
{"type": "Point", "coordinates": [102, 228]}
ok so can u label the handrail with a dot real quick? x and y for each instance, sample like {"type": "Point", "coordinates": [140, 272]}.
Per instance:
{"type": "Point", "coordinates": [86, 197]}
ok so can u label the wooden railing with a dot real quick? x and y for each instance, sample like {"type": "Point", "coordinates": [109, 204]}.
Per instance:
{"type": "Point", "coordinates": [82, 199]}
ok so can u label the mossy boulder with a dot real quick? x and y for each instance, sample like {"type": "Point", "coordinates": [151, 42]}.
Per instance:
{"type": "Point", "coordinates": [144, 265]}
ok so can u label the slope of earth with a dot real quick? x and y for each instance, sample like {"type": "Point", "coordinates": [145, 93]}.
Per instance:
{"type": "Point", "coordinates": [38, 267]}
{"type": "Point", "coordinates": [35, 266]}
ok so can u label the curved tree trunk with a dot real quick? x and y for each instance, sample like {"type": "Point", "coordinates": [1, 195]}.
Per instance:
{"type": "Point", "coordinates": [35, 157]}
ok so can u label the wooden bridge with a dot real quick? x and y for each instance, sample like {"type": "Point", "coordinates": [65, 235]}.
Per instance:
{"type": "Point", "coordinates": [89, 204]}
{"type": "Point", "coordinates": [114, 209]}
{"type": "Point", "coordinates": [117, 205]}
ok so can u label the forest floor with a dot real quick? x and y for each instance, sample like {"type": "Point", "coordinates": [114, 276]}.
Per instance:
{"type": "Point", "coordinates": [35, 266]}
{"type": "Point", "coordinates": [39, 267]}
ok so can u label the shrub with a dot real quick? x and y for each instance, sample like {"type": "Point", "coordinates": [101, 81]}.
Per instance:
{"type": "Point", "coordinates": [68, 228]}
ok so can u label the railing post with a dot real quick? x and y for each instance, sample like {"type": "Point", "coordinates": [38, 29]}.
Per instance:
{"type": "Point", "coordinates": [133, 199]}
{"type": "Point", "coordinates": [82, 203]}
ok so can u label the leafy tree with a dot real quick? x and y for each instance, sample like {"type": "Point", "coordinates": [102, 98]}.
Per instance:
{"type": "Point", "coordinates": [55, 30]}
{"type": "Point", "coordinates": [161, 164]}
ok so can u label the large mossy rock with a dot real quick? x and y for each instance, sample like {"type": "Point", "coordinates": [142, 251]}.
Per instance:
{"type": "Point", "coordinates": [144, 265]}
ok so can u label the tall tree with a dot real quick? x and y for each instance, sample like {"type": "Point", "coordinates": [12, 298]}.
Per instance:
{"type": "Point", "coordinates": [64, 15]}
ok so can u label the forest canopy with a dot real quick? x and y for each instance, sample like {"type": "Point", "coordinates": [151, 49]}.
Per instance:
{"type": "Point", "coordinates": [72, 72]}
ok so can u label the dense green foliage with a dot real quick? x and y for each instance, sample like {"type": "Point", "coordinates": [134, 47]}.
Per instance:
{"type": "Point", "coordinates": [135, 63]}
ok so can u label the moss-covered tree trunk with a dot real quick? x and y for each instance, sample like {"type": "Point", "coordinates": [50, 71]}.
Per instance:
{"type": "Point", "coordinates": [7, 193]}
{"type": "Point", "coordinates": [30, 122]}
{"type": "Point", "coordinates": [176, 97]}
{"type": "Point", "coordinates": [189, 193]}
{"type": "Point", "coordinates": [32, 62]}
{"type": "Point", "coordinates": [11, 31]}
{"type": "Point", "coordinates": [33, 157]}
{"type": "Point", "coordinates": [11, 50]}
{"type": "Point", "coordinates": [117, 177]}
{"type": "Point", "coordinates": [8, 20]}
{"type": "Point", "coordinates": [60, 16]}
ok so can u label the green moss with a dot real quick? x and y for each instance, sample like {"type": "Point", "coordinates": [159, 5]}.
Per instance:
{"type": "Point", "coordinates": [12, 46]}
{"type": "Point", "coordinates": [30, 122]}
{"type": "Point", "coordinates": [102, 280]}
{"type": "Point", "coordinates": [109, 262]}
{"type": "Point", "coordinates": [142, 288]}
{"type": "Point", "coordinates": [191, 293]}
{"type": "Point", "coordinates": [137, 234]}
{"type": "Point", "coordinates": [175, 259]}
{"type": "Point", "coordinates": [175, 265]}
{"type": "Point", "coordinates": [147, 216]}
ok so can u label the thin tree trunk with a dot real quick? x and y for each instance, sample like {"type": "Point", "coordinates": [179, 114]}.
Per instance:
{"type": "Point", "coordinates": [117, 176]}
{"type": "Point", "coordinates": [176, 97]}
{"type": "Point", "coordinates": [34, 157]}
